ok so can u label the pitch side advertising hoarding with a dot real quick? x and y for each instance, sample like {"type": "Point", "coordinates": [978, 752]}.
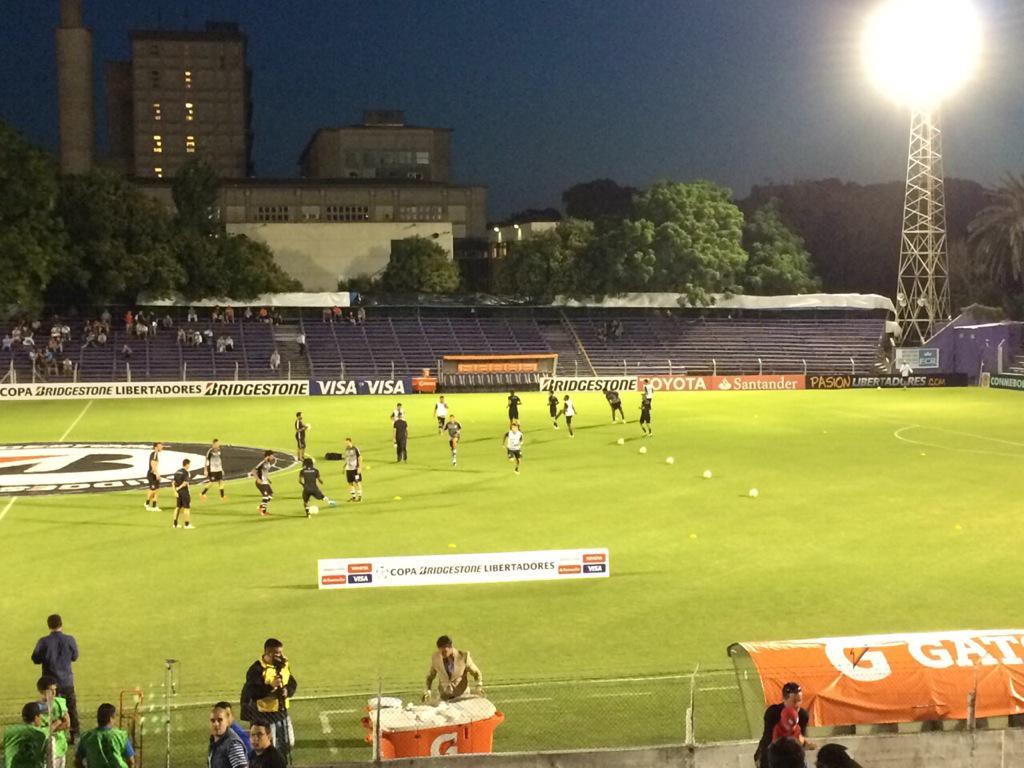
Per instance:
{"type": "Point", "coordinates": [423, 570]}
{"type": "Point", "coordinates": [782, 382]}
{"type": "Point", "coordinates": [360, 386]}
{"type": "Point", "coordinates": [1007, 381]}
{"type": "Point", "coordinates": [846, 381]}
{"type": "Point", "coordinates": [587, 383]}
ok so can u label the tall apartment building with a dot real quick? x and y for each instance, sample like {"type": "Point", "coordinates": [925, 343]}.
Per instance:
{"type": "Point", "coordinates": [74, 90]}
{"type": "Point", "coordinates": [382, 147]}
{"type": "Point", "coordinates": [183, 94]}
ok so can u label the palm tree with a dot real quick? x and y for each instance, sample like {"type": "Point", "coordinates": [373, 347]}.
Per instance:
{"type": "Point", "coordinates": [997, 234]}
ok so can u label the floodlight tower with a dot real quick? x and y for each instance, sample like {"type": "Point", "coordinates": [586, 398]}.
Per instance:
{"type": "Point", "coordinates": [919, 52]}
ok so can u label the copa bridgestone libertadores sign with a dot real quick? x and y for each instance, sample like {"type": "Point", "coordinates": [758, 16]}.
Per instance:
{"type": "Point", "coordinates": [41, 469]}
{"type": "Point", "coordinates": [424, 570]}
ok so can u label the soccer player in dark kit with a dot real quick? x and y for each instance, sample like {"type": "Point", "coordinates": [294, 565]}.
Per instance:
{"type": "Point", "coordinates": [183, 503]}
{"type": "Point", "coordinates": [645, 417]}
{"type": "Point", "coordinates": [553, 408]}
{"type": "Point", "coordinates": [301, 427]}
{"type": "Point", "coordinates": [310, 480]}
{"type": "Point", "coordinates": [615, 403]}
{"type": "Point", "coordinates": [513, 408]}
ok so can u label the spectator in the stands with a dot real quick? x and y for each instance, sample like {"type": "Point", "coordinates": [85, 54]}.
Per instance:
{"type": "Point", "coordinates": [361, 314]}
{"type": "Point", "coordinates": [67, 367]}
{"type": "Point", "coordinates": [181, 335]}
{"type": "Point", "coordinates": [101, 338]}
{"type": "Point", "coordinates": [786, 753]}
{"type": "Point", "coordinates": [301, 341]}
{"type": "Point", "coordinates": [126, 352]}
{"type": "Point", "coordinates": [142, 329]}
{"type": "Point", "coordinates": [208, 335]}
{"type": "Point", "coordinates": [229, 314]}
{"type": "Point", "coordinates": [167, 322]}
{"type": "Point", "coordinates": [277, 318]}
{"type": "Point", "coordinates": [275, 360]}
{"type": "Point", "coordinates": [50, 361]}
{"type": "Point", "coordinates": [27, 340]}
{"type": "Point", "coordinates": [105, 317]}
{"type": "Point", "coordinates": [248, 313]}
{"type": "Point", "coordinates": [65, 332]}
{"type": "Point", "coordinates": [220, 344]}
{"type": "Point", "coordinates": [229, 344]}
{"type": "Point", "coordinates": [337, 314]}
{"type": "Point", "coordinates": [7, 341]}
{"type": "Point", "coordinates": [192, 316]}
{"type": "Point", "coordinates": [264, 315]}
{"type": "Point", "coordinates": [215, 316]}
{"type": "Point", "coordinates": [129, 321]}
{"type": "Point", "coordinates": [197, 339]}
{"type": "Point", "coordinates": [327, 315]}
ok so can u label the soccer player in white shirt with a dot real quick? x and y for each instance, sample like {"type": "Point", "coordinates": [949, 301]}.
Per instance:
{"type": "Point", "coordinates": [441, 412]}
{"type": "Point", "coordinates": [568, 410]}
{"type": "Point", "coordinates": [648, 389]}
{"type": "Point", "coordinates": [513, 442]}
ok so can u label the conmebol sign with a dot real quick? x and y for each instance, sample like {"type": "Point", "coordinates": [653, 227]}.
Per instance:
{"type": "Point", "coordinates": [897, 678]}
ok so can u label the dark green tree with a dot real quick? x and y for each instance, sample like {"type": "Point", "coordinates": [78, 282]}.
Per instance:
{"type": "Point", "coordinates": [195, 197]}
{"type": "Point", "coordinates": [997, 235]}
{"type": "Point", "coordinates": [231, 266]}
{"type": "Point", "coordinates": [777, 261]}
{"type": "Point", "coordinates": [545, 265]}
{"type": "Point", "coordinates": [119, 243]}
{"type": "Point", "coordinates": [697, 239]}
{"type": "Point", "coordinates": [598, 200]}
{"type": "Point", "coordinates": [419, 265]}
{"type": "Point", "coordinates": [31, 236]}
{"type": "Point", "coordinates": [619, 259]}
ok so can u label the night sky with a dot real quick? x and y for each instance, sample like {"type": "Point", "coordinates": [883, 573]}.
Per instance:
{"type": "Point", "coordinates": [542, 95]}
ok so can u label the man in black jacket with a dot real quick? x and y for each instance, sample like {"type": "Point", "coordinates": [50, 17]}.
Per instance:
{"type": "Point", "coordinates": [263, 754]}
{"type": "Point", "coordinates": [792, 695]}
{"type": "Point", "coordinates": [269, 685]}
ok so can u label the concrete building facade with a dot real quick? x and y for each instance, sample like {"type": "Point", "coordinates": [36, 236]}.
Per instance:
{"type": "Point", "coordinates": [76, 110]}
{"type": "Point", "coordinates": [382, 147]}
{"type": "Point", "coordinates": [183, 95]}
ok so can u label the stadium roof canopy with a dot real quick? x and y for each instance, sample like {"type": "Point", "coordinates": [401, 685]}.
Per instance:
{"type": "Point", "coordinates": [733, 301]}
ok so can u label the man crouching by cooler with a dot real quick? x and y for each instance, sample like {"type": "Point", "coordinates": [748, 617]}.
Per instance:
{"type": "Point", "coordinates": [452, 667]}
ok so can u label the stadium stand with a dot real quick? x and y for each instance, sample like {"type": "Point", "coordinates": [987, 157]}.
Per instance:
{"type": "Point", "coordinates": [400, 342]}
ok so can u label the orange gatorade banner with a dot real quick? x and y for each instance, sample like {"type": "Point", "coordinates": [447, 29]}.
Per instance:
{"type": "Point", "coordinates": [897, 678]}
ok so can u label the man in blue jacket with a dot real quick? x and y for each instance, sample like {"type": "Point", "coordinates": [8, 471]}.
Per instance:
{"type": "Point", "coordinates": [55, 652]}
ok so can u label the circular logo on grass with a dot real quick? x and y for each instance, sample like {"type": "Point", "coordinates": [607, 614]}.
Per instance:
{"type": "Point", "coordinates": [49, 468]}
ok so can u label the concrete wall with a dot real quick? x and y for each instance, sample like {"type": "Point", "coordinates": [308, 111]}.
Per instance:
{"type": "Point", "coordinates": [985, 749]}
{"type": "Point", "coordinates": [319, 254]}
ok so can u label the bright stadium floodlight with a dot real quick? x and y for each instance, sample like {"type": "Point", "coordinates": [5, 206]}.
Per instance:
{"type": "Point", "coordinates": [919, 52]}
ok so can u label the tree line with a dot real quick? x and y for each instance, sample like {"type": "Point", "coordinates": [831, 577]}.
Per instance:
{"type": "Point", "coordinates": [93, 239]}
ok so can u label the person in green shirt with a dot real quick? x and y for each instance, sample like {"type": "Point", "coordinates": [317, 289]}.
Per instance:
{"type": "Point", "coordinates": [105, 746]}
{"type": "Point", "coordinates": [25, 743]}
{"type": "Point", "coordinates": [55, 717]}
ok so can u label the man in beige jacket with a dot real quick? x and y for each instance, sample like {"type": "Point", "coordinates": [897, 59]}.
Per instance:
{"type": "Point", "coordinates": [452, 667]}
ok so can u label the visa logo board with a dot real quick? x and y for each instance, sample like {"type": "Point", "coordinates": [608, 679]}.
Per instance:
{"type": "Point", "coordinates": [360, 386]}
{"type": "Point", "coordinates": [424, 570]}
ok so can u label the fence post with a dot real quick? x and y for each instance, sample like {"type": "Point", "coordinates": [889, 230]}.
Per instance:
{"type": "Point", "coordinates": [128, 372]}
{"type": "Point", "coordinates": [74, 376]}
{"type": "Point", "coordinates": [577, 364]}
{"type": "Point", "coordinates": [169, 690]}
{"type": "Point", "coordinates": [999, 360]}
{"type": "Point", "coordinates": [184, 371]}
{"type": "Point", "coordinates": [236, 370]}
{"type": "Point", "coordinates": [690, 737]}
{"type": "Point", "coordinates": [289, 370]}
{"type": "Point", "coordinates": [376, 724]}
{"type": "Point", "coordinates": [760, 367]}
{"type": "Point", "coordinates": [625, 368]}
{"type": "Point", "coordinates": [853, 367]}
{"type": "Point", "coordinates": [392, 370]}
{"type": "Point", "coordinates": [669, 367]}
{"type": "Point", "coordinates": [714, 367]}
{"type": "Point", "coordinates": [805, 367]}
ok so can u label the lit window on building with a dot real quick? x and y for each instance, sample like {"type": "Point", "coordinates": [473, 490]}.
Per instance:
{"type": "Point", "coordinates": [188, 78]}
{"type": "Point", "coordinates": [156, 110]}
{"type": "Point", "coordinates": [159, 172]}
{"type": "Point", "coordinates": [190, 144]}
{"type": "Point", "coordinates": [420, 213]}
{"type": "Point", "coordinates": [190, 111]}
{"type": "Point", "coordinates": [422, 158]}
{"type": "Point", "coordinates": [158, 144]}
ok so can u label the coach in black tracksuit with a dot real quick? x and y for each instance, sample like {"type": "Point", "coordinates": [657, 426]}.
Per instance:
{"type": "Point", "coordinates": [401, 438]}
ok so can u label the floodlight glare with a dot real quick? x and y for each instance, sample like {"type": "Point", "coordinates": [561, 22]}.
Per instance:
{"type": "Point", "coordinates": [918, 52]}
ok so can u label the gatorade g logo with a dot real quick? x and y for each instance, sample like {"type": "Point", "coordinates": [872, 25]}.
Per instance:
{"type": "Point", "coordinates": [858, 663]}
{"type": "Point", "coordinates": [50, 468]}
{"type": "Point", "coordinates": [445, 744]}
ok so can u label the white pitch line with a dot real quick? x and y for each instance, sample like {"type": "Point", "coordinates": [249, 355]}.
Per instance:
{"type": "Point", "coordinates": [7, 508]}
{"type": "Point", "coordinates": [74, 423]}
{"type": "Point", "coordinates": [619, 693]}
{"type": "Point", "coordinates": [529, 698]}
{"type": "Point", "coordinates": [717, 688]}
{"type": "Point", "coordinates": [899, 436]}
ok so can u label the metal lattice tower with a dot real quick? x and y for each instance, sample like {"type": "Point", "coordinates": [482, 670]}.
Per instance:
{"type": "Point", "coordinates": [922, 299]}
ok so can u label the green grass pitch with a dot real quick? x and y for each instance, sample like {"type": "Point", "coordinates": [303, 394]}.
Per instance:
{"type": "Point", "coordinates": [878, 511]}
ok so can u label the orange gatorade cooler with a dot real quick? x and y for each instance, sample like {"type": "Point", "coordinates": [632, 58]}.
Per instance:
{"type": "Point", "coordinates": [450, 728]}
